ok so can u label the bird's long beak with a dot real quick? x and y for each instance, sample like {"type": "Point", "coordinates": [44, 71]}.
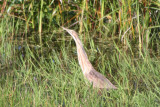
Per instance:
{"type": "Point", "coordinates": [65, 28]}
{"type": "Point", "coordinates": [68, 30]}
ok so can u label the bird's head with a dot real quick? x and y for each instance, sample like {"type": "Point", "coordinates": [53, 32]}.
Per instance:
{"type": "Point", "coordinates": [72, 33]}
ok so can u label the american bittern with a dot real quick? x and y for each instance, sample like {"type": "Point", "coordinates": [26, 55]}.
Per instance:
{"type": "Point", "coordinates": [97, 79]}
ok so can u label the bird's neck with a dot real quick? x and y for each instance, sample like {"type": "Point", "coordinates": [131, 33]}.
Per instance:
{"type": "Point", "coordinates": [84, 62]}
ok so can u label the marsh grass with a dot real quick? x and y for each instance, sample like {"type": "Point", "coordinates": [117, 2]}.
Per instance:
{"type": "Point", "coordinates": [39, 65]}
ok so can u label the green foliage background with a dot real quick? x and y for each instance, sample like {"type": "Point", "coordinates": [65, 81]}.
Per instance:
{"type": "Point", "coordinates": [38, 60]}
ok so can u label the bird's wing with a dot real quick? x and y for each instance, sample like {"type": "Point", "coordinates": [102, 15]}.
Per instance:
{"type": "Point", "coordinates": [99, 80]}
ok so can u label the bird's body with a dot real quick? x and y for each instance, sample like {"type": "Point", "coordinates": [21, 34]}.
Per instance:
{"type": "Point", "coordinates": [97, 79]}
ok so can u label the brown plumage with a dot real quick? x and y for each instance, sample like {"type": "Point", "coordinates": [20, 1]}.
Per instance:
{"type": "Point", "coordinates": [97, 79]}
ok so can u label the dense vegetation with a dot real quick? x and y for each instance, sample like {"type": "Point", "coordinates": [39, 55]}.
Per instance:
{"type": "Point", "coordinates": [38, 60]}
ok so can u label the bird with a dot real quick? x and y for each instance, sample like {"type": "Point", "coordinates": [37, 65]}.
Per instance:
{"type": "Point", "coordinates": [95, 78]}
